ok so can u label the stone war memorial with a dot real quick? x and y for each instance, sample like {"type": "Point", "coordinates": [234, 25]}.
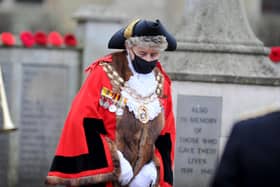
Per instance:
{"type": "Point", "coordinates": [219, 72]}
{"type": "Point", "coordinates": [40, 83]}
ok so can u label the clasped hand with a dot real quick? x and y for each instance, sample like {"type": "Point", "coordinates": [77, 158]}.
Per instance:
{"type": "Point", "coordinates": [146, 177]}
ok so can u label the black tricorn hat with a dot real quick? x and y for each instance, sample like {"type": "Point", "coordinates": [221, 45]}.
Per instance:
{"type": "Point", "coordinates": [141, 28]}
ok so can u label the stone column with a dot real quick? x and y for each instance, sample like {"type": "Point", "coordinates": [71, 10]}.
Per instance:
{"type": "Point", "coordinates": [96, 25]}
{"type": "Point", "coordinates": [254, 13]}
{"type": "Point", "coordinates": [219, 71]}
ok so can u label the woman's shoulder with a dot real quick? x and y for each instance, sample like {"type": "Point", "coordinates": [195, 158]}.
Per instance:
{"type": "Point", "coordinates": [96, 63]}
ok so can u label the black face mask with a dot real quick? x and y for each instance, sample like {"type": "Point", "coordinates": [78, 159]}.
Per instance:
{"type": "Point", "coordinates": [142, 66]}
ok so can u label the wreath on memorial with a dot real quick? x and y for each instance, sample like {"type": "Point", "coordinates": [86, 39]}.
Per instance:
{"type": "Point", "coordinates": [39, 38]}
{"type": "Point", "coordinates": [275, 54]}
{"type": "Point", "coordinates": [55, 39]}
{"type": "Point", "coordinates": [70, 40]}
{"type": "Point", "coordinates": [8, 39]}
{"type": "Point", "coordinates": [27, 38]}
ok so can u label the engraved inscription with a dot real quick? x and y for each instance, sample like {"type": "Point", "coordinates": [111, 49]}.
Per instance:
{"type": "Point", "coordinates": [44, 105]}
{"type": "Point", "coordinates": [198, 129]}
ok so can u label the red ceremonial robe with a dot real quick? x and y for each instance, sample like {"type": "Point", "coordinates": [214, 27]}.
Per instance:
{"type": "Point", "coordinates": [86, 153]}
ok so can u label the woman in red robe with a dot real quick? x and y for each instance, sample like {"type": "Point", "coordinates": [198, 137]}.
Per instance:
{"type": "Point", "coordinates": [120, 130]}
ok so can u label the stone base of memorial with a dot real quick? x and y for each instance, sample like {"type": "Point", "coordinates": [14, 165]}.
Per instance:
{"type": "Point", "coordinates": [40, 84]}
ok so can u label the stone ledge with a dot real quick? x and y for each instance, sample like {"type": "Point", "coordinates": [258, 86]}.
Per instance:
{"type": "Point", "coordinates": [265, 81]}
{"type": "Point", "coordinates": [16, 46]}
{"type": "Point", "coordinates": [219, 47]}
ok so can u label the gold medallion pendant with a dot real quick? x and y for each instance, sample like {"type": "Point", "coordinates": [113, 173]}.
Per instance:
{"type": "Point", "coordinates": [143, 114]}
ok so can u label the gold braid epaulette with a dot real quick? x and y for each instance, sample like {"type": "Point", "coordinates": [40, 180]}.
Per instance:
{"type": "Point", "coordinates": [118, 82]}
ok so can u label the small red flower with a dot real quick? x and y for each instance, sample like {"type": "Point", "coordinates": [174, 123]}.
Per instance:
{"type": "Point", "coordinates": [70, 40]}
{"type": "Point", "coordinates": [8, 39]}
{"type": "Point", "coordinates": [275, 54]}
{"type": "Point", "coordinates": [41, 38]}
{"type": "Point", "coordinates": [55, 39]}
{"type": "Point", "coordinates": [27, 38]}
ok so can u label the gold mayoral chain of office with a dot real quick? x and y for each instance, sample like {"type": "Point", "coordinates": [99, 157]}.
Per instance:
{"type": "Point", "coordinates": [145, 108]}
